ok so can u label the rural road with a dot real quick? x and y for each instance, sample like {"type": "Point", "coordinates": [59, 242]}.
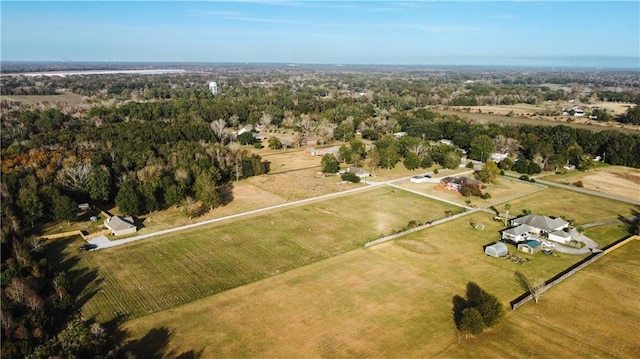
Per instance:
{"type": "Point", "coordinates": [104, 242]}
{"type": "Point", "coordinates": [633, 201]}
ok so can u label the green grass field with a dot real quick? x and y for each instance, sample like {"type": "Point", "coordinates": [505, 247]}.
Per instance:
{"type": "Point", "coordinates": [157, 274]}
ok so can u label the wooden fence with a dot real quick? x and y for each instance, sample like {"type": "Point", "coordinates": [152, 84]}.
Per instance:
{"type": "Point", "coordinates": [524, 298]}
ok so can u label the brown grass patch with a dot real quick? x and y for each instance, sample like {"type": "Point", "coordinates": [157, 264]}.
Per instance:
{"type": "Point", "coordinates": [616, 180]}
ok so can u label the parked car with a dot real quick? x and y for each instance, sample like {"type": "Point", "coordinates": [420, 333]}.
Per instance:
{"type": "Point", "coordinates": [88, 247]}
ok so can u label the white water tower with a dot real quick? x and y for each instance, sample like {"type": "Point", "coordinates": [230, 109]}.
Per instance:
{"type": "Point", "coordinates": [213, 87]}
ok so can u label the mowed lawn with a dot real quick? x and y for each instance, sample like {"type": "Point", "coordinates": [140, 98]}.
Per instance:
{"type": "Point", "coordinates": [581, 208]}
{"type": "Point", "coordinates": [389, 300]}
{"type": "Point", "coordinates": [160, 273]}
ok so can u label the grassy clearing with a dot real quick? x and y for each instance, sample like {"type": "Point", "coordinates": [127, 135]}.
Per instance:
{"type": "Point", "coordinates": [503, 188]}
{"type": "Point", "coordinates": [582, 208]}
{"type": "Point", "coordinates": [154, 275]}
{"type": "Point", "coordinates": [538, 121]}
{"type": "Point", "coordinates": [63, 97]}
{"type": "Point", "coordinates": [615, 180]}
{"type": "Point", "coordinates": [390, 300]}
{"type": "Point", "coordinates": [594, 314]}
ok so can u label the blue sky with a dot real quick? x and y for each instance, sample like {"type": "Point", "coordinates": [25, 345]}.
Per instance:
{"type": "Point", "coordinates": [558, 33]}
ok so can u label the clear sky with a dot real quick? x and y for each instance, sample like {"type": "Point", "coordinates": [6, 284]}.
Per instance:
{"type": "Point", "coordinates": [550, 33]}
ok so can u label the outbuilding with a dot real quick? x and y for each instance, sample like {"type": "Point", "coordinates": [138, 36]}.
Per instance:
{"type": "Point", "coordinates": [531, 246]}
{"type": "Point", "coordinates": [497, 250]}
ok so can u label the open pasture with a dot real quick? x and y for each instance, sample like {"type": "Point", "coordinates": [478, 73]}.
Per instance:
{"type": "Point", "coordinates": [616, 180]}
{"type": "Point", "coordinates": [157, 274]}
{"type": "Point", "coordinates": [581, 208]}
{"type": "Point", "coordinates": [63, 97]}
{"type": "Point", "coordinates": [390, 300]}
{"type": "Point", "coordinates": [502, 189]}
{"type": "Point", "coordinates": [595, 314]}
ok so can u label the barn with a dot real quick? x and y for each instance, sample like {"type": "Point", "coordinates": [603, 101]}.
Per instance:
{"type": "Point", "coordinates": [497, 250]}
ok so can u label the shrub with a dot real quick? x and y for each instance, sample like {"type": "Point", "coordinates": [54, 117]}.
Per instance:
{"type": "Point", "coordinates": [350, 177]}
{"type": "Point", "coordinates": [435, 171]}
{"type": "Point", "coordinates": [578, 184]}
{"type": "Point", "coordinates": [258, 145]}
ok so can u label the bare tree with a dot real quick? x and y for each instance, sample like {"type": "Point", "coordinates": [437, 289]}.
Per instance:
{"type": "Point", "coordinates": [75, 178]}
{"type": "Point", "coordinates": [218, 128]}
{"type": "Point", "coordinates": [535, 286]}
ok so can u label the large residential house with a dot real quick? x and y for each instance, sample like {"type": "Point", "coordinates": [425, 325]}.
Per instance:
{"type": "Point", "coordinates": [457, 183]}
{"type": "Point", "coordinates": [523, 227]}
{"type": "Point", "coordinates": [120, 225]}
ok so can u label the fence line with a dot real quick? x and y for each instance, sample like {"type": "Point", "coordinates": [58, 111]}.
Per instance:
{"type": "Point", "coordinates": [558, 278]}
{"type": "Point", "coordinates": [63, 234]}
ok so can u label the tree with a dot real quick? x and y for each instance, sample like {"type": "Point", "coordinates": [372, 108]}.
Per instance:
{"type": "Point", "coordinates": [471, 322]}
{"type": "Point", "coordinates": [374, 161]}
{"type": "Point", "coordinates": [580, 230]}
{"type": "Point", "coordinates": [534, 286]}
{"type": "Point", "coordinates": [482, 146]}
{"type": "Point", "coordinates": [206, 191]}
{"type": "Point", "coordinates": [64, 208]}
{"type": "Point", "coordinates": [218, 128]}
{"type": "Point", "coordinates": [489, 172]}
{"type": "Point", "coordinates": [275, 143]}
{"type": "Point", "coordinates": [490, 308]}
{"type": "Point", "coordinates": [330, 164]}
{"type": "Point", "coordinates": [345, 153]}
{"type": "Point", "coordinates": [507, 208]}
{"type": "Point", "coordinates": [129, 199]}
{"type": "Point", "coordinates": [100, 184]}
{"type": "Point", "coordinates": [246, 138]}
{"type": "Point", "coordinates": [30, 204]}
{"type": "Point", "coordinates": [411, 161]}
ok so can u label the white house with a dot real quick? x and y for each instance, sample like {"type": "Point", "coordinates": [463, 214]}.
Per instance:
{"type": "Point", "coordinates": [420, 179]}
{"type": "Point", "coordinates": [541, 224]}
{"type": "Point", "coordinates": [498, 157]}
{"type": "Point", "coordinates": [119, 225]}
{"type": "Point", "coordinates": [516, 234]}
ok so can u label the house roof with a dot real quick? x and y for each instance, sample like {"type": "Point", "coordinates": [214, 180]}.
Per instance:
{"type": "Point", "coordinates": [117, 223]}
{"type": "Point", "coordinates": [356, 170]}
{"type": "Point", "coordinates": [518, 231]}
{"type": "Point", "coordinates": [562, 234]}
{"type": "Point", "coordinates": [542, 222]}
{"type": "Point", "coordinates": [460, 180]}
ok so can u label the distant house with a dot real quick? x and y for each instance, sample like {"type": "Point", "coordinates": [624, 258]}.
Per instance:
{"type": "Point", "coordinates": [120, 225]}
{"type": "Point", "coordinates": [322, 151]}
{"type": "Point", "coordinates": [446, 142]}
{"type": "Point", "coordinates": [399, 134]}
{"type": "Point", "coordinates": [357, 171]}
{"type": "Point", "coordinates": [498, 157]}
{"type": "Point", "coordinates": [531, 246]}
{"type": "Point", "coordinates": [569, 167]}
{"type": "Point", "coordinates": [457, 183]}
{"type": "Point", "coordinates": [497, 250]}
{"type": "Point", "coordinates": [420, 179]}
{"type": "Point", "coordinates": [83, 206]}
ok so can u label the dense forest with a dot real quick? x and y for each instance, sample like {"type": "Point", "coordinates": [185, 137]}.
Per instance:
{"type": "Point", "coordinates": [148, 142]}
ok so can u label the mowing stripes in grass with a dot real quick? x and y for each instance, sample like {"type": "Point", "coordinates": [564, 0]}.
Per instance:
{"type": "Point", "coordinates": [153, 275]}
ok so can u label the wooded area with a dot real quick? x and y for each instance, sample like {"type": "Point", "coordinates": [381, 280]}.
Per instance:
{"type": "Point", "coordinates": [145, 143]}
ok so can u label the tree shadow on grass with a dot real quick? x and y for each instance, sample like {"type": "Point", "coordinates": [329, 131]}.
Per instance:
{"type": "Point", "coordinates": [153, 346]}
